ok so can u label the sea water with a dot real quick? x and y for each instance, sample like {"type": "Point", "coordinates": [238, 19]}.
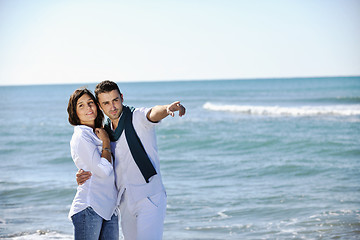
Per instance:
{"type": "Point", "coordinates": [251, 159]}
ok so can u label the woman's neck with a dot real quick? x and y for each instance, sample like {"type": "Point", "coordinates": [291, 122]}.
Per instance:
{"type": "Point", "coordinates": [92, 125]}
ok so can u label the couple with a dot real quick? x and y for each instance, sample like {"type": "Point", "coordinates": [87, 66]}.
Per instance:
{"type": "Point", "coordinates": [118, 165]}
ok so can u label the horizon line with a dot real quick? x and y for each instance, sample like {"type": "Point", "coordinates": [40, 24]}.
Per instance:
{"type": "Point", "coordinates": [180, 80]}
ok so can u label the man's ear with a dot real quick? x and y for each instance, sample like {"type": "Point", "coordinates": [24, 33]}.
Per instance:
{"type": "Point", "coordinates": [122, 98]}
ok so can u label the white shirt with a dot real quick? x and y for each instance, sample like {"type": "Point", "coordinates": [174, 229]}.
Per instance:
{"type": "Point", "coordinates": [128, 175]}
{"type": "Point", "coordinates": [99, 192]}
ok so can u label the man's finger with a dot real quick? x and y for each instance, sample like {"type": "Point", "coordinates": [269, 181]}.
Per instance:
{"type": "Point", "coordinates": [175, 103]}
{"type": "Point", "coordinates": [81, 182]}
{"type": "Point", "coordinates": [82, 172]}
{"type": "Point", "coordinates": [83, 178]}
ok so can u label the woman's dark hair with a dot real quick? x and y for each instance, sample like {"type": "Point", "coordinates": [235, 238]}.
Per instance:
{"type": "Point", "coordinates": [71, 109]}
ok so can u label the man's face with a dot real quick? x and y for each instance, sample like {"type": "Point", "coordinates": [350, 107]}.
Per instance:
{"type": "Point", "coordinates": [111, 103]}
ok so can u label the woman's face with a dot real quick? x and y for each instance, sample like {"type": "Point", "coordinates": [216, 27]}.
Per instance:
{"type": "Point", "coordinates": [86, 110]}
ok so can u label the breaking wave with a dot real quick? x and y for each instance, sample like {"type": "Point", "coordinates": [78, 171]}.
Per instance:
{"type": "Point", "coordinates": [335, 110]}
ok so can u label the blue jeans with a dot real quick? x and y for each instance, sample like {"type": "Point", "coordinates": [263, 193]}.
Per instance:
{"type": "Point", "coordinates": [88, 225]}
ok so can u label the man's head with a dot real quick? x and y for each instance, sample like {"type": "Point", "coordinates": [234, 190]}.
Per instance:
{"type": "Point", "coordinates": [106, 86]}
{"type": "Point", "coordinates": [110, 99]}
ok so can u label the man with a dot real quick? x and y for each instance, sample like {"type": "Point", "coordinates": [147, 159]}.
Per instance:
{"type": "Point", "coordinates": [142, 197]}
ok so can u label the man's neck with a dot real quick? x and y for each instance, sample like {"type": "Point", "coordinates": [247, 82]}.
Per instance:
{"type": "Point", "coordinates": [115, 123]}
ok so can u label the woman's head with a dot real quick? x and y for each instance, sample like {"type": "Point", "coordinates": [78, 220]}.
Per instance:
{"type": "Point", "coordinates": [83, 109]}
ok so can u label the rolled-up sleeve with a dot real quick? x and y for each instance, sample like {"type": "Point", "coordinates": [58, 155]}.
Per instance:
{"type": "Point", "coordinates": [87, 156]}
{"type": "Point", "coordinates": [140, 114]}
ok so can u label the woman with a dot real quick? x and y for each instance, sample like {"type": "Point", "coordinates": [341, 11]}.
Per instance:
{"type": "Point", "coordinates": [93, 208]}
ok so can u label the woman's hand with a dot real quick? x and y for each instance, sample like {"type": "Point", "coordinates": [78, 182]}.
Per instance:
{"type": "Point", "coordinates": [102, 134]}
{"type": "Point", "coordinates": [104, 137]}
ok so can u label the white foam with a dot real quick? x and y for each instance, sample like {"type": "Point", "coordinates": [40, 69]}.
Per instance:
{"type": "Point", "coordinates": [336, 110]}
{"type": "Point", "coordinates": [222, 215]}
{"type": "Point", "coordinates": [41, 235]}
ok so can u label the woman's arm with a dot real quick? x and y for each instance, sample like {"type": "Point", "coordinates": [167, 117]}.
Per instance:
{"type": "Point", "coordinates": [86, 153]}
{"type": "Point", "coordinates": [104, 137]}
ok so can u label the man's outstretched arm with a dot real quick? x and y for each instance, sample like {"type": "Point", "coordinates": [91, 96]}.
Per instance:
{"type": "Point", "coordinates": [160, 112]}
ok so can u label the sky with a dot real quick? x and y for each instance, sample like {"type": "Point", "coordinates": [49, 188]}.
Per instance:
{"type": "Point", "coordinates": [75, 41]}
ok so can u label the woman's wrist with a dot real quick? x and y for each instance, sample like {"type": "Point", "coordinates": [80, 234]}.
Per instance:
{"type": "Point", "coordinates": [107, 149]}
{"type": "Point", "coordinates": [106, 144]}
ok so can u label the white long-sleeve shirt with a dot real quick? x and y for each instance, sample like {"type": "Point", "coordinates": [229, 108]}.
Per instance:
{"type": "Point", "coordinates": [99, 192]}
{"type": "Point", "coordinates": [128, 175]}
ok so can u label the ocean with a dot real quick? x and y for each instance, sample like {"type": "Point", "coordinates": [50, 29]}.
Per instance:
{"type": "Point", "coordinates": [251, 159]}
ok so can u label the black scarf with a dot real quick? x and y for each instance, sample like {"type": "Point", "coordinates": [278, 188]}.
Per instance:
{"type": "Point", "coordinates": [136, 148]}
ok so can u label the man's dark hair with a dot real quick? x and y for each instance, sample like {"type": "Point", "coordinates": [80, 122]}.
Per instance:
{"type": "Point", "coordinates": [106, 86]}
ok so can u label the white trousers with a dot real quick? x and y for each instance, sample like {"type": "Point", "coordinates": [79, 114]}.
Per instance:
{"type": "Point", "coordinates": [143, 220]}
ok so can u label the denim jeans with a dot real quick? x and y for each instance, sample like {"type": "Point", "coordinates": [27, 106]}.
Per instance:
{"type": "Point", "coordinates": [88, 225]}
